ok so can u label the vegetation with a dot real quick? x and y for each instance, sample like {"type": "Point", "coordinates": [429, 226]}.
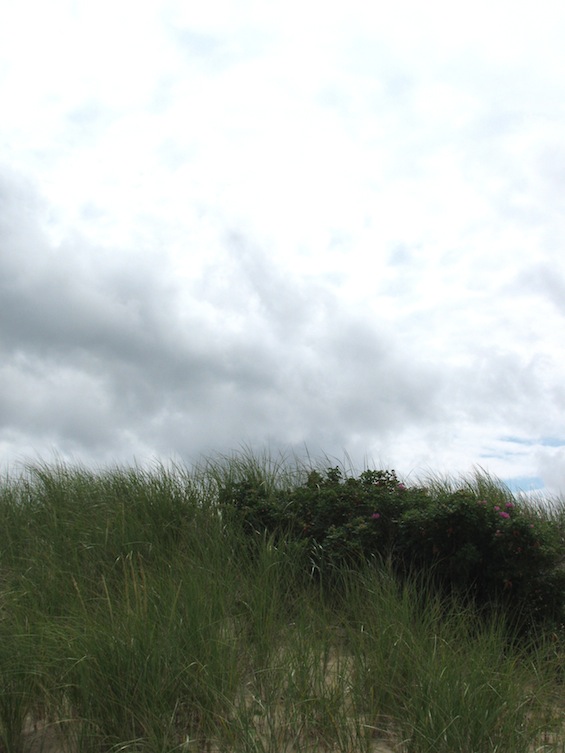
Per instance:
{"type": "Point", "coordinates": [475, 539]}
{"type": "Point", "coordinates": [254, 606]}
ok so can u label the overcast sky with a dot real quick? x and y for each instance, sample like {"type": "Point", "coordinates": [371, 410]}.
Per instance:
{"type": "Point", "coordinates": [332, 226]}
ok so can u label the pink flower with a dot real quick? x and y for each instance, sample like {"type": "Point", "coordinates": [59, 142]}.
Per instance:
{"type": "Point", "coordinates": [401, 488]}
{"type": "Point", "coordinates": [376, 515]}
{"type": "Point", "coordinates": [508, 505]}
{"type": "Point", "coordinates": [504, 515]}
{"type": "Point", "coordinates": [497, 508]}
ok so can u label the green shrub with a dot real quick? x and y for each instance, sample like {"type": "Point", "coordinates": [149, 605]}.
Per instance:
{"type": "Point", "coordinates": [493, 552]}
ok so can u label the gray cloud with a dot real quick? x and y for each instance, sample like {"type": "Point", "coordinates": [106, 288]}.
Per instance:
{"type": "Point", "coordinates": [93, 349]}
{"type": "Point", "coordinates": [283, 227]}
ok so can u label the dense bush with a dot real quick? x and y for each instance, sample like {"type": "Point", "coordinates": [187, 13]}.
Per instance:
{"type": "Point", "coordinates": [494, 551]}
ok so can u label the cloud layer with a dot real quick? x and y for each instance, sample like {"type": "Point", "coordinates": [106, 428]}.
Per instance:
{"type": "Point", "coordinates": [294, 227]}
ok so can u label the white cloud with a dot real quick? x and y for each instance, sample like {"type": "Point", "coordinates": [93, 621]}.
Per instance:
{"type": "Point", "coordinates": [285, 224]}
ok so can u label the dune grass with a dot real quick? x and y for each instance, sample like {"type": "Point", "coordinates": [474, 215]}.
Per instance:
{"type": "Point", "coordinates": [135, 617]}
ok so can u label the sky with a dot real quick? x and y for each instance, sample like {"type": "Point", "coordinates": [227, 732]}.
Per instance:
{"type": "Point", "coordinates": [328, 228]}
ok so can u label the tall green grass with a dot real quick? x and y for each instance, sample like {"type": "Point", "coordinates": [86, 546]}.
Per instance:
{"type": "Point", "coordinates": [136, 616]}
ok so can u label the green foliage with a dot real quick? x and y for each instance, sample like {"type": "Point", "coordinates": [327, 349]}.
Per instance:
{"type": "Point", "coordinates": [251, 607]}
{"type": "Point", "coordinates": [498, 553]}
{"type": "Point", "coordinates": [494, 551]}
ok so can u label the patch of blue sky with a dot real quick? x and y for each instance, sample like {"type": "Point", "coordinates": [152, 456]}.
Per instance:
{"type": "Point", "coordinates": [524, 484]}
{"type": "Point", "coordinates": [541, 441]}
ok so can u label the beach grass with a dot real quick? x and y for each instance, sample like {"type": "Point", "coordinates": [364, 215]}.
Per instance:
{"type": "Point", "coordinates": [135, 615]}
